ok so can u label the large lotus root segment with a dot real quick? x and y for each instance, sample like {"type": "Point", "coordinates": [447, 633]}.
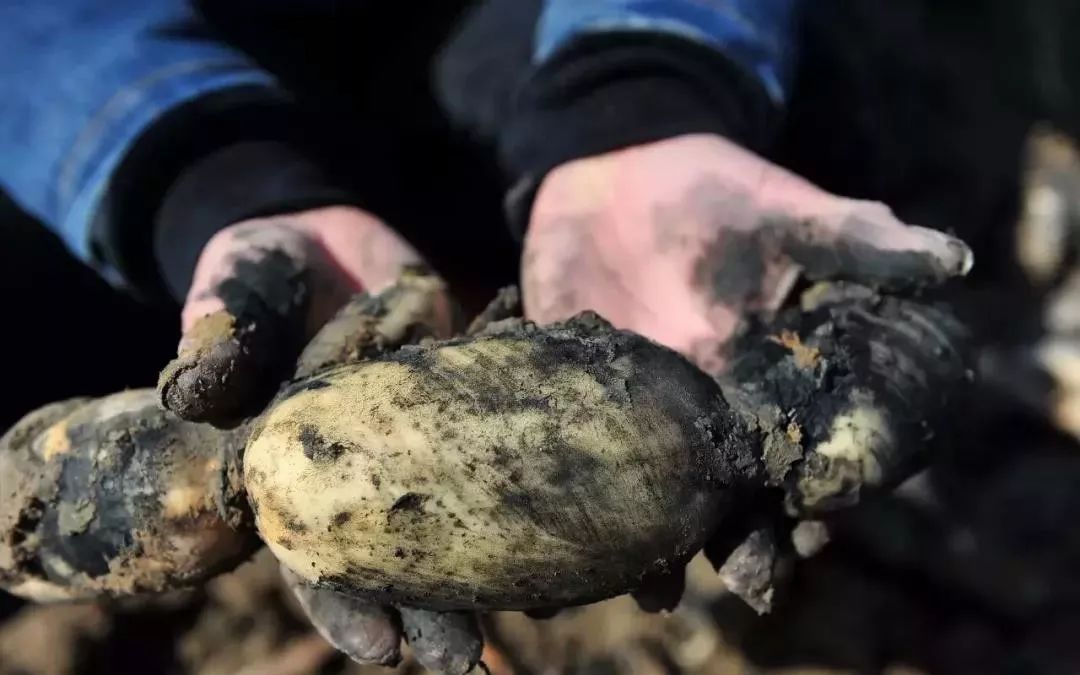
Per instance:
{"type": "Point", "coordinates": [531, 468]}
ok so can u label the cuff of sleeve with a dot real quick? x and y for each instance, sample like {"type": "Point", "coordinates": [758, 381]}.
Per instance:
{"type": "Point", "coordinates": [242, 181]}
{"type": "Point", "coordinates": [756, 34]}
{"type": "Point", "coordinates": [610, 91]}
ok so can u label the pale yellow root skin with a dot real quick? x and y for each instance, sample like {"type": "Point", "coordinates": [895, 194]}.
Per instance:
{"type": "Point", "coordinates": [517, 507]}
{"type": "Point", "coordinates": [854, 457]}
{"type": "Point", "coordinates": [860, 436]}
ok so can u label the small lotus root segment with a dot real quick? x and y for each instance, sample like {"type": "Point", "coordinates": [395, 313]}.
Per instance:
{"type": "Point", "coordinates": [116, 497]}
{"type": "Point", "coordinates": [416, 307]}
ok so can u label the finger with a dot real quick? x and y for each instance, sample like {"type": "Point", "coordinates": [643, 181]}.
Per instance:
{"type": "Point", "coordinates": [415, 307]}
{"type": "Point", "coordinates": [661, 592]}
{"type": "Point", "coordinates": [833, 237]}
{"type": "Point", "coordinates": [864, 241]}
{"type": "Point", "coordinates": [259, 290]}
{"type": "Point", "coordinates": [443, 642]}
{"type": "Point", "coordinates": [244, 321]}
{"type": "Point", "coordinates": [365, 632]}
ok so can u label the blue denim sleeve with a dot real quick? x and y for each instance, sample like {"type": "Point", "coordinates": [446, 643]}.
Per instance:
{"type": "Point", "coordinates": [758, 35]}
{"type": "Point", "coordinates": [81, 79]}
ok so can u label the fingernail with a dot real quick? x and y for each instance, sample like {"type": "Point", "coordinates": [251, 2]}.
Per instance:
{"type": "Point", "coordinates": [964, 256]}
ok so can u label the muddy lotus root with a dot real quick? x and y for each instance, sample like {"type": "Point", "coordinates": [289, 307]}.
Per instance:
{"type": "Point", "coordinates": [540, 467]}
{"type": "Point", "coordinates": [521, 467]}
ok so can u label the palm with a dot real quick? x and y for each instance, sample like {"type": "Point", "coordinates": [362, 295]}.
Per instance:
{"type": "Point", "coordinates": [681, 239]}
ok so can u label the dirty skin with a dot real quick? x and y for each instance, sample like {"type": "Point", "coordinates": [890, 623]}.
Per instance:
{"type": "Point", "coordinates": [231, 362]}
{"type": "Point", "coordinates": [751, 260]}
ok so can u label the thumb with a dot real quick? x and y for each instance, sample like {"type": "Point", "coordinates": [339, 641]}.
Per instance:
{"type": "Point", "coordinates": [260, 289]}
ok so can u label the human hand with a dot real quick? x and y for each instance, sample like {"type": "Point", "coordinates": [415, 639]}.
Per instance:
{"type": "Point", "coordinates": [197, 471]}
{"type": "Point", "coordinates": [682, 239]}
{"type": "Point", "coordinates": [260, 289]}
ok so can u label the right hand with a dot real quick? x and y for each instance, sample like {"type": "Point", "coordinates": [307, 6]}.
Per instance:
{"type": "Point", "coordinates": [683, 239]}
{"type": "Point", "coordinates": [261, 288]}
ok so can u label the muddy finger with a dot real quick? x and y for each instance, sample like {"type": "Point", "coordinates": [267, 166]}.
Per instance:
{"type": "Point", "coordinates": [443, 642]}
{"type": "Point", "coordinates": [245, 321]}
{"type": "Point", "coordinates": [869, 245]}
{"type": "Point", "coordinates": [365, 632]}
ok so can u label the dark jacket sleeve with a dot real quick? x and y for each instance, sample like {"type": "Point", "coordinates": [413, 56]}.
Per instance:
{"type": "Point", "coordinates": [111, 105]}
{"type": "Point", "coordinates": [84, 80]}
{"type": "Point", "coordinates": [609, 74]}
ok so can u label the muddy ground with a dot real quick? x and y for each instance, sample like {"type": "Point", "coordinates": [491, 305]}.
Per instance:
{"type": "Point", "coordinates": [969, 568]}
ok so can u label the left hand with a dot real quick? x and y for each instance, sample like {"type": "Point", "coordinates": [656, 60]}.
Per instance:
{"type": "Point", "coordinates": [261, 288]}
{"type": "Point", "coordinates": [682, 239]}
